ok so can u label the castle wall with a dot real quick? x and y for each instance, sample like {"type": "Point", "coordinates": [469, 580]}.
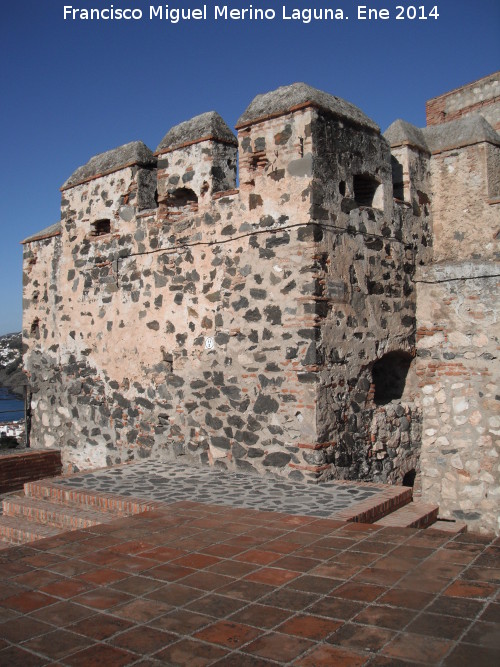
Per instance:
{"type": "Point", "coordinates": [329, 317]}
{"type": "Point", "coordinates": [458, 374]}
{"type": "Point", "coordinates": [481, 96]}
{"type": "Point", "coordinates": [465, 204]}
{"type": "Point", "coordinates": [282, 275]}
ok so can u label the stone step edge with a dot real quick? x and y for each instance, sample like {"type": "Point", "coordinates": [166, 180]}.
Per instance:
{"type": "Point", "coordinates": [449, 526]}
{"type": "Point", "coordinates": [18, 531]}
{"type": "Point", "coordinates": [371, 510]}
{"type": "Point", "coordinates": [55, 514]}
{"type": "Point", "coordinates": [413, 515]}
{"type": "Point", "coordinates": [103, 502]}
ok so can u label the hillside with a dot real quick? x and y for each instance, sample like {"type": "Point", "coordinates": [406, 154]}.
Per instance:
{"type": "Point", "coordinates": [11, 374]}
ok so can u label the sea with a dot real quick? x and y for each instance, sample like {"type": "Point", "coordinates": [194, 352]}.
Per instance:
{"type": "Point", "coordinates": [11, 407]}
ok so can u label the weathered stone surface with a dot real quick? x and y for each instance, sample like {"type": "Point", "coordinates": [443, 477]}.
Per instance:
{"type": "Point", "coordinates": [209, 125]}
{"type": "Point", "coordinates": [133, 153]}
{"type": "Point", "coordinates": [271, 328]}
{"type": "Point", "coordinates": [286, 98]}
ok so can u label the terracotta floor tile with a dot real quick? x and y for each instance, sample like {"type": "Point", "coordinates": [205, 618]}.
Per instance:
{"type": "Point", "coordinates": [374, 575]}
{"type": "Point", "coordinates": [237, 659]}
{"type": "Point", "coordinates": [32, 579]}
{"type": "Point", "coordinates": [375, 546]}
{"type": "Point", "coordinates": [190, 653]}
{"type": "Point", "coordinates": [261, 616]}
{"type": "Point", "coordinates": [66, 588]}
{"type": "Point", "coordinates": [232, 568]}
{"type": "Point", "coordinates": [102, 598]}
{"type": "Point", "coordinates": [462, 607]}
{"type": "Point", "coordinates": [336, 608]}
{"type": "Point", "coordinates": [100, 626]}
{"type": "Point", "coordinates": [318, 553]}
{"type": "Point", "coordinates": [330, 656]}
{"type": "Point", "coordinates": [466, 655]}
{"type": "Point", "coordinates": [63, 613]}
{"type": "Point", "coordinates": [137, 585]}
{"type": "Point", "coordinates": [8, 590]}
{"type": "Point", "coordinates": [143, 640]}
{"type": "Point", "coordinates": [169, 572]}
{"type": "Point", "coordinates": [272, 576]}
{"type": "Point", "coordinates": [412, 647]}
{"type": "Point", "coordinates": [422, 583]}
{"type": "Point", "coordinates": [13, 656]}
{"type": "Point", "coordinates": [362, 637]}
{"type": "Point", "coordinates": [334, 570]}
{"type": "Point", "coordinates": [435, 625]}
{"type": "Point", "coordinates": [258, 556]}
{"type": "Point", "coordinates": [486, 574]}
{"type": "Point", "coordinates": [141, 610]}
{"type": "Point", "coordinates": [22, 628]}
{"type": "Point", "coordinates": [227, 633]}
{"type": "Point", "coordinates": [57, 644]}
{"type": "Point", "coordinates": [196, 561]}
{"type": "Point", "coordinates": [360, 592]}
{"type": "Point", "coordinates": [464, 589]}
{"type": "Point", "coordinates": [309, 627]}
{"type": "Point", "coordinates": [181, 621]}
{"type": "Point", "coordinates": [279, 647]}
{"type": "Point", "coordinates": [131, 564]}
{"type": "Point", "coordinates": [284, 546]}
{"type": "Point", "coordinates": [401, 597]}
{"type": "Point", "coordinates": [222, 550]}
{"type": "Point", "coordinates": [312, 584]}
{"type": "Point", "coordinates": [355, 558]}
{"type": "Point", "coordinates": [296, 563]}
{"type": "Point", "coordinates": [102, 576]}
{"type": "Point", "coordinates": [28, 601]}
{"type": "Point", "coordinates": [290, 599]}
{"type": "Point", "coordinates": [385, 617]}
{"type": "Point", "coordinates": [491, 613]}
{"type": "Point", "coordinates": [207, 581]}
{"type": "Point", "coordinates": [176, 595]}
{"type": "Point", "coordinates": [484, 634]}
{"type": "Point", "coordinates": [215, 605]}
{"type": "Point", "coordinates": [384, 661]}
{"type": "Point", "coordinates": [336, 542]}
{"type": "Point", "coordinates": [163, 554]}
{"type": "Point", "coordinates": [100, 655]}
{"type": "Point", "coordinates": [132, 547]}
{"type": "Point", "coordinates": [242, 589]}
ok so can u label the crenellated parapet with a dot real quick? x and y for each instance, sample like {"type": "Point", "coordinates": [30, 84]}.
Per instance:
{"type": "Point", "coordinates": [251, 301]}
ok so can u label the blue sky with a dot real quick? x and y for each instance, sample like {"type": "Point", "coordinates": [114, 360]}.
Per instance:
{"type": "Point", "coordinates": [71, 89]}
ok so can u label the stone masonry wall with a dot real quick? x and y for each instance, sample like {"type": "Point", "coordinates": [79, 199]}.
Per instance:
{"type": "Point", "coordinates": [465, 214]}
{"type": "Point", "coordinates": [283, 274]}
{"type": "Point", "coordinates": [327, 311]}
{"type": "Point", "coordinates": [481, 96]}
{"type": "Point", "coordinates": [458, 371]}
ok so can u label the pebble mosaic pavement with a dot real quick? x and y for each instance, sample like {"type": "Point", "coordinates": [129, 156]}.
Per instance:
{"type": "Point", "coordinates": [167, 482]}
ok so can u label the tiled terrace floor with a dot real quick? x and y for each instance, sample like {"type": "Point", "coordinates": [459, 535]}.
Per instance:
{"type": "Point", "coordinates": [198, 584]}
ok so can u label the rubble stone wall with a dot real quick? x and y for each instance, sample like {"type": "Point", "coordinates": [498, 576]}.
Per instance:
{"type": "Point", "coordinates": [458, 370]}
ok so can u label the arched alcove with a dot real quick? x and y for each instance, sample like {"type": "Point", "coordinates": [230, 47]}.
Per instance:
{"type": "Point", "coordinates": [367, 191]}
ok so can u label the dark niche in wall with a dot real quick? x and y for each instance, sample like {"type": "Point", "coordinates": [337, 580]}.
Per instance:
{"type": "Point", "coordinates": [182, 201]}
{"type": "Point", "coordinates": [389, 375]}
{"type": "Point", "coordinates": [365, 188]}
{"type": "Point", "coordinates": [100, 227]}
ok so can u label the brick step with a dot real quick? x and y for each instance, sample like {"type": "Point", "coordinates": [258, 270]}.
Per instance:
{"type": "Point", "coordinates": [18, 468]}
{"type": "Point", "coordinates": [55, 514]}
{"type": "Point", "coordinates": [449, 526]}
{"type": "Point", "coordinates": [18, 530]}
{"type": "Point", "coordinates": [413, 515]}
{"type": "Point", "coordinates": [102, 502]}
